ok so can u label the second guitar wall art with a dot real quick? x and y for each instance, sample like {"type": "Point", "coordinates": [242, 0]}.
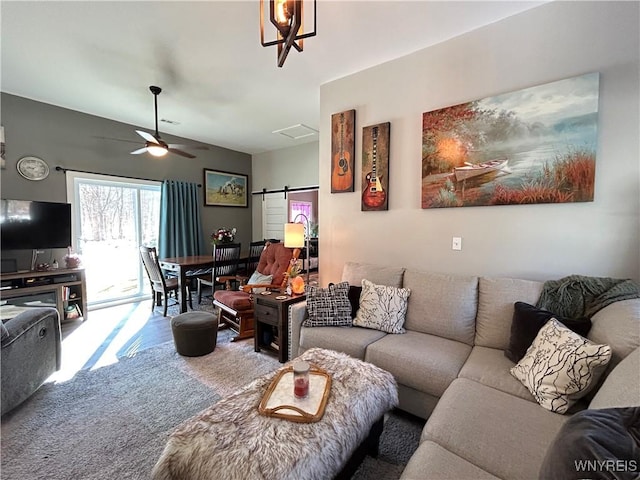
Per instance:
{"type": "Point", "coordinates": [375, 167]}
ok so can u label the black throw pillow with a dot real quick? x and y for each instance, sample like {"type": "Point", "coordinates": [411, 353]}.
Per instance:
{"type": "Point", "coordinates": [598, 444]}
{"type": "Point", "coordinates": [354, 298]}
{"type": "Point", "coordinates": [527, 322]}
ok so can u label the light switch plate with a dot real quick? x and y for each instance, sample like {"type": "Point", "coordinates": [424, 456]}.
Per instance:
{"type": "Point", "coordinates": [456, 243]}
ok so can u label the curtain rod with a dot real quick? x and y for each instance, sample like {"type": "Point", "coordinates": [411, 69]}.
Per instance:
{"type": "Point", "coordinates": [285, 190]}
{"type": "Point", "coordinates": [65, 170]}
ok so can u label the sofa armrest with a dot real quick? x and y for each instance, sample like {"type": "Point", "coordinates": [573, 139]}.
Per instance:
{"type": "Point", "coordinates": [297, 314]}
{"type": "Point", "coordinates": [31, 352]}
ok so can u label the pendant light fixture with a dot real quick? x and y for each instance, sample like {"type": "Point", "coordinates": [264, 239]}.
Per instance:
{"type": "Point", "coordinates": [288, 19]}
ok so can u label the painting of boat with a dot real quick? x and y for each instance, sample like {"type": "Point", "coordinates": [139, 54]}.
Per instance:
{"type": "Point", "coordinates": [533, 145]}
{"type": "Point", "coordinates": [471, 170]}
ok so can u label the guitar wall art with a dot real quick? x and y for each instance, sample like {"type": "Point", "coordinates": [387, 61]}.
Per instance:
{"type": "Point", "coordinates": [342, 151]}
{"type": "Point", "coordinates": [375, 167]}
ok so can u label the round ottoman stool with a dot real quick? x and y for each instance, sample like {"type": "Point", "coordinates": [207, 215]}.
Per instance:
{"type": "Point", "coordinates": [195, 333]}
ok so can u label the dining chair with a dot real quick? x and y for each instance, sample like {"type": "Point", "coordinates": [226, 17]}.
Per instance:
{"type": "Point", "coordinates": [225, 262]}
{"type": "Point", "coordinates": [255, 249]}
{"type": "Point", "coordinates": [161, 286]}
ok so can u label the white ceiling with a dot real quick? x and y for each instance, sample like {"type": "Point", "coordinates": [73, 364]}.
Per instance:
{"type": "Point", "coordinates": [219, 83]}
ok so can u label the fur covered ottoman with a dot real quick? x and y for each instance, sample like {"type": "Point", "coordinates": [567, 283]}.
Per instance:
{"type": "Point", "coordinates": [231, 440]}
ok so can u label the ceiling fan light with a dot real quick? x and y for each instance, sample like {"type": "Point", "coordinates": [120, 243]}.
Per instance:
{"type": "Point", "coordinates": [157, 150]}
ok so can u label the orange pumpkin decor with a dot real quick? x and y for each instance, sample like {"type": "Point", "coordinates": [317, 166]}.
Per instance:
{"type": "Point", "coordinates": [297, 285]}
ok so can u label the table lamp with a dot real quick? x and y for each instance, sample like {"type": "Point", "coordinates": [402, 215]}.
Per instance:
{"type": "Point", "coordinates": [296, 235]}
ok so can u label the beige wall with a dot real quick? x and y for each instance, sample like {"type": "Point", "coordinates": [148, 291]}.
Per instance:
{"type": "Point", "coordinates": [292, 167]}
{"type": "Point", "coordinates": [551, 42]}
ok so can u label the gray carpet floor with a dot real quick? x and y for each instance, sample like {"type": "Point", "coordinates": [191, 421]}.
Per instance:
{"type": "Point", "coordinates": [112, 422]}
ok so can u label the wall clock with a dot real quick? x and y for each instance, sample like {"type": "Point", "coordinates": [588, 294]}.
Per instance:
{"type": "Point", "coordinates": [33, 168]}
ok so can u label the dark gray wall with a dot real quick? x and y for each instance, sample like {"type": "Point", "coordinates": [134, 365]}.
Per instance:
{"type": "Point", "coordinates": [69, 139]}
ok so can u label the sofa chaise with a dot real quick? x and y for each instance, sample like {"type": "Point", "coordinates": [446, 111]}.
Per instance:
{"type": "Point", "coordinates": [451, 369]}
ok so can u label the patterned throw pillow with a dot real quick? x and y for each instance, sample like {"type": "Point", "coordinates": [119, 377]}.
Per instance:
{"type": "Point", "coordinates": [328, 307]}
{"type": "Point", "coordinates": [382, 307]}
{"type": "Point", "coordinates": [561, 366]}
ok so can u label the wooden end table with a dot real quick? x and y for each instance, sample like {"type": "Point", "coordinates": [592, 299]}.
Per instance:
{"type": "Point", "coordinates": [273, 311]}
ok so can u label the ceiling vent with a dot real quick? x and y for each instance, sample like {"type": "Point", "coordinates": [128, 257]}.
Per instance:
{"type": "Point", "coordinates": [297, 131]}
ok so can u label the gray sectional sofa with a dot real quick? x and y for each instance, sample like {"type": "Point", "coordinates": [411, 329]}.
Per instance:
{"type": "Point", "coordinates": [451, 369]}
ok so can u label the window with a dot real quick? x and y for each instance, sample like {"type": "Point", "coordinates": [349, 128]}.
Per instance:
{"type": "Point", "coordinates": [297, 207]}
{"type": "Point", "coordinates": [111, 217]}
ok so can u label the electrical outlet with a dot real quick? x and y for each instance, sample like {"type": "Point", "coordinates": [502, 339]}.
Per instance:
{"type": "Point", "coordinates": [456, 243]}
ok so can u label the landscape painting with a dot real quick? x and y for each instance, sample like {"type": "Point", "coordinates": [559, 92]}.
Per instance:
{"type": "Point", "coordinates": [536, 145]}
{"type": "Point", "coordinates": [225, 189]}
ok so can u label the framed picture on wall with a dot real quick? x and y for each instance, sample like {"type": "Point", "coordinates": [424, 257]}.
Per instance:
{"type": "Point", "coordinates": [342, 151]}
{"type": "Point", "coordinates": [225, 189]}
{"type": "Point", "coordinates": [535, 145]}
{"type": "Point", "coordinates": [375, 167]}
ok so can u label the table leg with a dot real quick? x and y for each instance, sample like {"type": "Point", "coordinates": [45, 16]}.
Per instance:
{"type": "Point", "coordinates": [182, 287]}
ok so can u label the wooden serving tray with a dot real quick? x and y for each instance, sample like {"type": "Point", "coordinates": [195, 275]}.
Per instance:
{"type": "Point", "coordinates": [279, 401]}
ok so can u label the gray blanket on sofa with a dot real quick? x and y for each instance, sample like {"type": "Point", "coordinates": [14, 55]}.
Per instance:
{"type": "Point", "coordinates": [578, 296]}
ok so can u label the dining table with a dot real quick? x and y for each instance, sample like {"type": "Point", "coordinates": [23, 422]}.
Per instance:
{"type": "Point", "coordinates": [181, 265]}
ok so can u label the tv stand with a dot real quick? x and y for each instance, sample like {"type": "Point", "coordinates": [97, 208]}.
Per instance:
{"type": "Point", "coordinates": [64, 289]}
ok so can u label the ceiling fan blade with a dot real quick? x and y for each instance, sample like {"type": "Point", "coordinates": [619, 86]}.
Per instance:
{"type": "Point", "coordinates": [181, 153]}
{"type": "Point", "coordinates": [116, 139]}
{"type": "Point", "coordinates": [190, 147]}
{"type": "Point", "coordinates": [139, 151]}
{"type": "Point", "coordinates": [147, 136]}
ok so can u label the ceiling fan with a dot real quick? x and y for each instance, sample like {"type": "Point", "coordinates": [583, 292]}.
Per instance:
{"type": "Point", "coordinates": [153, 143]}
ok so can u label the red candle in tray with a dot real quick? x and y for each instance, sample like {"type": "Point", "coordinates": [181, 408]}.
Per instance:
{"type": "Point", "coordinates": [300, 379]}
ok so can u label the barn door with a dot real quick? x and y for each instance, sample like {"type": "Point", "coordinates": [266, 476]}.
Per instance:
{"type": "Point", "coordinates": [274, 215]}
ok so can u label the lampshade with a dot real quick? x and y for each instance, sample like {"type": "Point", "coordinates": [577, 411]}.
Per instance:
{"type": "Point", "coordinates": [293, 235]}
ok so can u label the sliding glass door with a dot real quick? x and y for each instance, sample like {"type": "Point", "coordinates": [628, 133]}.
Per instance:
{"type": "Point", "coordinates": [112, 217]}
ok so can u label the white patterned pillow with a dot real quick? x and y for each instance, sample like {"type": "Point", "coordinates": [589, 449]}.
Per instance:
{"type": "Point", "coordinates": [328, 307]}
{"type": "Point", "coordinates": [382, 307]}
{"type": "Point", "coordinates": [560, 366]}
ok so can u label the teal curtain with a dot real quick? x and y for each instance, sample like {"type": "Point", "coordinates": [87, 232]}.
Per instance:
{"type": "Point", "coordinates": [180, 220]}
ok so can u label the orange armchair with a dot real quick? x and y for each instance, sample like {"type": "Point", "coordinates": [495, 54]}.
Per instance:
{"type": "Point", "coordinates": [235, 307]}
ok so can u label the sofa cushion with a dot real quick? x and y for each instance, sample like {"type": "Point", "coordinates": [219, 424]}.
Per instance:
{"type": "Point", "coordinates": [490, 367]}
{"type": "Point", "coordinates": [561, 367]}
{"type": "Point", "coordinates": [502, 434]}
{"type": "Point", "coordinates": [427, 363]}
{"type": "Point", "coordinates": [350, 340]}
{"type": "Point", "coordinates": [527, 322]}
{"type": "Point", "coordinates": [354, 272]}
{"type": "Point", "coordinates": [617, 325]}
{"type": "Point", "coordinates": [621, 388]}
{"type": "Point", "coordinates": [496, 297]}
{"type": "Point", "coordinates": [441, 464]}
{"type": "Point", "coordinates": [607, 440]}
{"type": "Point", "coordinates": [382, 307]}
{"type": "Point", "coordinates": [328, 307]}
{"type": "Point", "coordinates": [443, 305]}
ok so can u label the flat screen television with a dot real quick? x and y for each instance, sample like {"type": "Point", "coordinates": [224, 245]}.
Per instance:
{"type": "Point", "coordinates": [28, 225]}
